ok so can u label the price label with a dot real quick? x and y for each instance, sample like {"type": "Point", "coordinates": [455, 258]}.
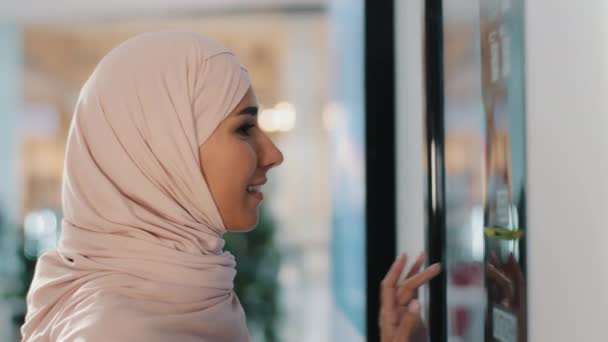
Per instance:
{"type": "Point", "coordinates": [505, 326]}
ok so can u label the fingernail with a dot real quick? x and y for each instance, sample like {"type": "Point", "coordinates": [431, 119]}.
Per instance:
{"type": "Point", "coordinates": [436, 266]}
{"type": "Point", "coordinates": [413, 306]}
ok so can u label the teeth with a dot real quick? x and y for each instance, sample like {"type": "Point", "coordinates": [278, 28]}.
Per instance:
{"type": "Point", "coordinates": [252, 188]}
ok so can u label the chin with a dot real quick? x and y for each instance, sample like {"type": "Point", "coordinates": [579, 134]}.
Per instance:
{"type": "Point", "coordinates": [242, 228]}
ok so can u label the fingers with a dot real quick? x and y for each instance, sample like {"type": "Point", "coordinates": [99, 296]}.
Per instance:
{"type": "Point", "coordinates": [389, 283]}
{"type": "Point", "coordinates": [520, 283]}
{"type": "Point", "coordinates": [503, 282]}
{"type": "Point", "coordinates": [415, 269]}
{"type": "Point", "coordinates": [493, 259]}
{"type": "Point", "coordinates": [409, 321]}
{"type": "Point", "coordinates": [388, 311]}
{"type": "Point", "coordinates": [392, 276]}
{"type": "Point", "coordinates": [389, 317]}
{"type": "Point", "coordinates": [408, 289]}
{"type": "Point", "coordinates": [417, 265]}
{"type": "Point", "coordinates": [515, 269]}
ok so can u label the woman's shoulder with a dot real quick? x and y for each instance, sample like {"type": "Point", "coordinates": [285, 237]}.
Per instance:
{"type": "Point", "coordinates": [100, 316]}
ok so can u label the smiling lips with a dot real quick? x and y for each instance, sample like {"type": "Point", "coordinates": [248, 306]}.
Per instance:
{"type": "Point", "coordinates": [256, 190]}
{"type": "Point", "coordinates": [253, 188]}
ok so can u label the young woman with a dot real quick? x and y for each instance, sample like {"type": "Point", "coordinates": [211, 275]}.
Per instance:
{"type": "Point", "coordinates": [164, 156]}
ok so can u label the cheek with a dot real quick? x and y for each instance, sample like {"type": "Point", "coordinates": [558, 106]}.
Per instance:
{"type": "Point", "coordinates": [230, 166]}
{"type": "Point", "coordinates": [238, 166]}
{"type": "Point", "coordinates": [236, 203]}
{"type": "Point", "coordinates": [227, 164]}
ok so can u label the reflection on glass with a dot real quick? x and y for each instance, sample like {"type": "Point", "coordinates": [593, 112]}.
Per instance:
{"type": "Point", "coordinates": [464, 187]}
{"type": "Point", "coordinates": [484, 170]}
{"type": "Point", "coordinates": [503, 105]}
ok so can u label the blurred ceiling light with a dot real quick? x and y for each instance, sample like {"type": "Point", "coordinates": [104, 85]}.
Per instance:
{"type": "Point", "coordinates": [41, 232]}
{"type": "Point", "coordinates": [281, 118]}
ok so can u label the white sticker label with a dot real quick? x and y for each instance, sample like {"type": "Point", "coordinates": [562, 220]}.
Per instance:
{"type": "Point", "coordinates": [503, 206]}
{"type": "Point", "coordinates": [505, 41]}
{"type": "Point", "coordinates": [494, 56]}
{"type": "Point", "coordinates": [505, 326]}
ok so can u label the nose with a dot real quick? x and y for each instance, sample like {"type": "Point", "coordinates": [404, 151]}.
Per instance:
{"type": "Point", "coordinates": [269, 155]}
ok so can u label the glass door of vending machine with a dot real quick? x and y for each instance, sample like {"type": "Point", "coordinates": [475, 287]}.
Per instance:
{"type": "Point", "coordinates": [501, 37]}
{"type": "Point", "coordinates": [476, 159]}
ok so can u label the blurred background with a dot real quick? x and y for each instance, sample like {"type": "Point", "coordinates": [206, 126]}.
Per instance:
{"type": "Point", "coordinates": [405, 125]}
{"type": "Point", "coordinates": [47, 51]}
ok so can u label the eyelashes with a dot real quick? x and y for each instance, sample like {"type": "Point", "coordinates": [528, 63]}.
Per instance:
{"type": "Point", "coordinates": [245, 129]}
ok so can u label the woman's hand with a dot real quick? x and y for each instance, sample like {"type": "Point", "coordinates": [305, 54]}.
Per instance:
{"type": "Point", "coordinates": [400, 309]}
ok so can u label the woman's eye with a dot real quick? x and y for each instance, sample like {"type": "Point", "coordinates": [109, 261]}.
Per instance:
{"type": "Point", "coordinates": [244, 130]}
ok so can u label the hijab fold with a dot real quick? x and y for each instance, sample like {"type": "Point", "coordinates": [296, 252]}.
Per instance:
{"type": "Point", "coordinates": [141, 256]}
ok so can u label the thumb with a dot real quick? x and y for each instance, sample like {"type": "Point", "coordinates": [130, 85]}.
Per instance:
{"type": "Point", "coordinates": [409, 321]}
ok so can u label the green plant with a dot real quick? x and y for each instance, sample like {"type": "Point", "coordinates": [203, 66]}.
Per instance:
{"type": "Point", "coordinates": [26, 277]}
{"type": "Point", "coordinates": [14, 277]}
{"type": "Point", "coordinates": [256, 283]}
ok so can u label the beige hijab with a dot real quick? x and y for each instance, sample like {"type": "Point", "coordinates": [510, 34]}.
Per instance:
{"type": "Point", "coordinates": [141, 251]}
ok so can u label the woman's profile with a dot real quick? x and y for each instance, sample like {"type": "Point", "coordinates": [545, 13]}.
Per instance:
{"type": "Point", "coordinates": [164, 156]}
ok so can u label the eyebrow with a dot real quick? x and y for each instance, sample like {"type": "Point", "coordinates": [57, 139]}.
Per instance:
{"type": "Point", "coordinates": [251, 110]}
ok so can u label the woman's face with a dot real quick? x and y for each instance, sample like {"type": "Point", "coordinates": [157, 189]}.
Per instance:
{"type": "Point", "coordinates": [235, 158]}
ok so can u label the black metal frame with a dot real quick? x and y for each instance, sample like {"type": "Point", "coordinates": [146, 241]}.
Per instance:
{"type": "Point", "coordinates": [380, 107]}
{"type": "Point", "coordinates": [435, 136]}
{"type": "Point", "coordinates": [380, 153]}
